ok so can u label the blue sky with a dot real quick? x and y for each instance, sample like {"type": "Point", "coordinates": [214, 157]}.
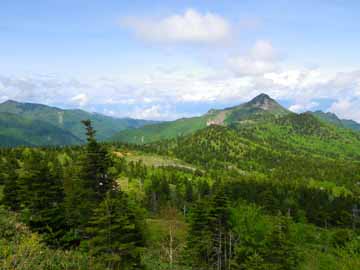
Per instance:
{"type": "Point", "coordinates": [169, 59]}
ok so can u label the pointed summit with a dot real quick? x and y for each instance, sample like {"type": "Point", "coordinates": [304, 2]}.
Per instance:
{"type": "Point", "coordinates": [264, 102]}
{"type": "Point", "coordinates": [261, 98]}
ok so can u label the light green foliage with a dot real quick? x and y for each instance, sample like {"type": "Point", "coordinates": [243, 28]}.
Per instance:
{"type": "Point", "coordinates": [166, 130]}
{"type": "Point", "coordinates": [23, 250]}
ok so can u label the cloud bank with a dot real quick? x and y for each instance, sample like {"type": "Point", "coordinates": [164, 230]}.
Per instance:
{"type": "Point", "coordinates": [162, 95]}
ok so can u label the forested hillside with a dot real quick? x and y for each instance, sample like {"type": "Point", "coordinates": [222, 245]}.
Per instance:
{"type": "Point", "coordinates": [281, 192]}
{"type": "Point", "coordinates": [22, 119]}
{"type": "Point", "coordinates": [21, 131]}
{"type": "Point", "coordinates": [257, 111]}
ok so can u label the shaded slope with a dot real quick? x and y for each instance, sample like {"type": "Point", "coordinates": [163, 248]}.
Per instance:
{"type": "Point", "coordinates": [70, 120]}
{"type": "Point", "coordinates": [16, 130]}
{"type": "Point", "coordinates": [334, 119]}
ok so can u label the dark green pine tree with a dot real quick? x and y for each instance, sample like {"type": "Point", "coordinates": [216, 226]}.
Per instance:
{"type": "Point", "coordinates": [115, 232]}
{"type": "Point", "coordinates": [219, 216]}
{"type": "Point", "coordinates": [94, 167]}
{"type": "Point", "coordinates": [199, 243]}
{"type": "Point", "coordinates": [42, 195]}
{"type": "Point", "coordinates": [11, 190]}
{"type": "Point", "coordinates": [280, 252]}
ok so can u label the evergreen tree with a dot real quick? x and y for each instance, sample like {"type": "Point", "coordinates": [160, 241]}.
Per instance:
{"type": "Point", "coordinates": [208, 244]}
{"type": "Point", "coordinates": [11, 190]}
{"type": "Point", "coordinates": [94, 167]}
{"type": "Point", "coordinates": [115, 233]}
{"type": "Point", "coordinates": [199, 242]}
{"type": "Point", "coordinates": [280, 253]}
{"type": "Point", "coordinates": [42, 195]}
{"type": "Point", "coordinates": [220, 226]}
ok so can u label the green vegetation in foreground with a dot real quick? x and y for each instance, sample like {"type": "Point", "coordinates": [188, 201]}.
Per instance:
{"type": "Point", "coordinates": [264, 194]}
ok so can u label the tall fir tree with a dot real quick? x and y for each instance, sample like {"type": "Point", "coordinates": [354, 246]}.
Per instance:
{"type": "Point", "coordinates": [209, 240]}
{"type": "Point", "coordinates": [94, 166]}
{"type": "Point", "coordinates": [280, 252]}
{"type": "Point", "coordinates": [199, 241]}
{"type": "Point", "coordinates": [115, 232]}
{"type": "Point", "coordinates": [42, 195]}
{"type": "Point", "coordinates": [11, 191]}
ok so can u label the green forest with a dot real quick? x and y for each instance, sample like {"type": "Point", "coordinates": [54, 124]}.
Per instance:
{"type": "Point", "coordinates": [279, 194]}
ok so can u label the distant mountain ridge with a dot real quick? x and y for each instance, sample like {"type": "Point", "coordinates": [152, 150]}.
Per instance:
{"type": "Point", "coordinates": [334, 119]}
{"type": "Point", "coordinates": [17, 130]}
{"type": "Point", "coordinates": [37, 124]}
{"type": "Point", "coordinates": [57, 121]}
{"type": "Point", "coordinates": [260, 108]}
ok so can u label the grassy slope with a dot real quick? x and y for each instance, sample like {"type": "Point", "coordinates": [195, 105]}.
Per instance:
{"type": "Point", "coordinates": [157, 160]}
{"type": "Point", "coordinates": [166, 130]}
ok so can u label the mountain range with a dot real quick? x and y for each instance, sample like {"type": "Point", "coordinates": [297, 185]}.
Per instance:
{"type": "Point", "coordinates": [256, 110]}
{"type": "Point", "coordinates": [36, 124]}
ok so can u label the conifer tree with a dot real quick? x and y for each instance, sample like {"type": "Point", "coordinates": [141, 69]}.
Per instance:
{"type": "Point", "coordinates": [208, 244]}
{"type": "Point", "coordinates": [94, 167]}
{"type": "Point", "coordinates": [42, 195]}
{"type": "Point", "coordinates": [220, 228]}
{"type": "Point", "coordinates": [11, 190]}
{"type": "Point", "coordinates": [115, 233]}
{"type": "Point", "coordinates": [199, 242]}
{"type": "Point", "coordinates": [280, 253]}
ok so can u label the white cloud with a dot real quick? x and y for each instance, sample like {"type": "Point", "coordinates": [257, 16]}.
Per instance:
{"type": "Point", "coordinates": [81, 99]}
{"type": "Point", "coordinates": [191, 26]}
{"type": "Point", "coordinates": [302, 107]}
{"type": "Point", "coordinates": [263, 50]}
{"type": "Point", "coordinates": [261, 59]}
{"type": "Point", "coordinates": [159, 94]}
{"type": "Point", "coordinates": [347, 109]}
{"type": "Point", "coordinates": [244, 66]}
{"type": "Point", "coordinates": [157, 112]}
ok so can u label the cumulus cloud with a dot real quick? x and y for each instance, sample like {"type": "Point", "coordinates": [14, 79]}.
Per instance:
{"type": "Point", "coordinates": [192, 26]}
{"type": "Point", "coordinates": [261, 59]}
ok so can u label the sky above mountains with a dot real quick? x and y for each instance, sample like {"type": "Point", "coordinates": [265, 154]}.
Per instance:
{"type": "Point", "coordinates": [169, 59]}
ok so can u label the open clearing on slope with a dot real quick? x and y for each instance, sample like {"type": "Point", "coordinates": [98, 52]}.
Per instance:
{"type": "Point", "coordinates": [155, 160]}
